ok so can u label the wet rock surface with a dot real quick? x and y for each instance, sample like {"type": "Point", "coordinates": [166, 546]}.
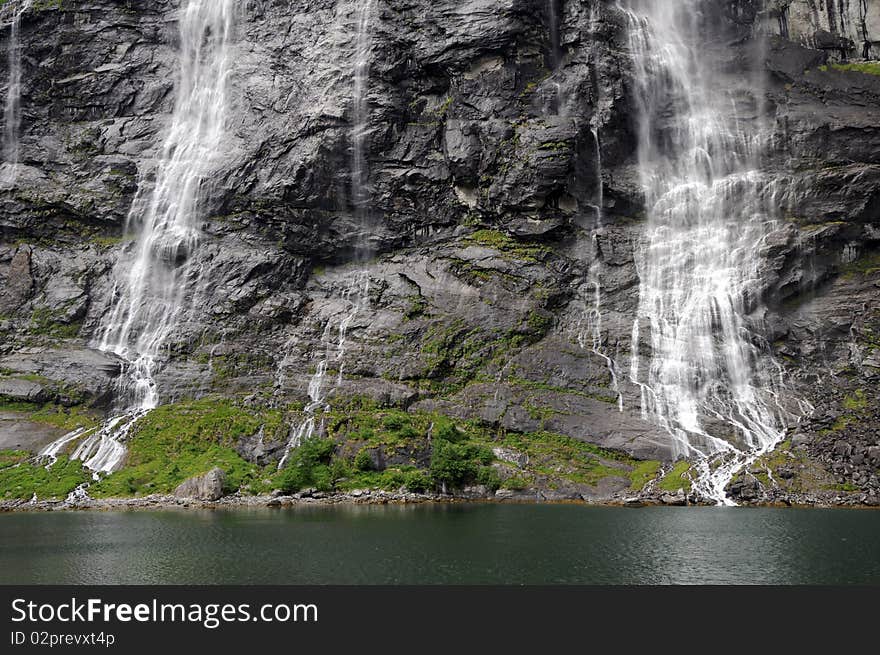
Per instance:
{"type": "Point", "coordinates": [487, 157]}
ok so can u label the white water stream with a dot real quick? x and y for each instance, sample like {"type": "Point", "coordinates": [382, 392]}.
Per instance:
{"type": "Point", "coordinates": [154, 273]}
{"type": "Point", "coordinates": [10, 15]}
{"type": "Point", "coordinates": [356, 293]}
{"type": "Point", "coordinates": [706, 375]}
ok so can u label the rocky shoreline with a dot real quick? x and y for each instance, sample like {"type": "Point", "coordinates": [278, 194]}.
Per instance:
{"type": "Point", "coordinates": [369, 497]}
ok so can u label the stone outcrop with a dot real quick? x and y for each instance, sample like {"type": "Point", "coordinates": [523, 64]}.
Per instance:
{"type": "Point", "coordinates": [848, 29]}
{"type": "Point", "coordinates": [208, 486]}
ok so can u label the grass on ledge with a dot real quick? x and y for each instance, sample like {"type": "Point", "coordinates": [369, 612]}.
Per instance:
{"type": "Point", "coordinates": [63, 418]}
{"type": "Point", "coordinates": [677, 478]}
{"type": "Point", "coordinates": [24, 480]}
{"type": "Point", "coordinates": [178, 441]}
{"type": "Point", "coordinates": [866, 67]}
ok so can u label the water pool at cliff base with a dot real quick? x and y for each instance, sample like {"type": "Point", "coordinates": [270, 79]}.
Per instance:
{"type": "Point", "coordinates": [443, 544]}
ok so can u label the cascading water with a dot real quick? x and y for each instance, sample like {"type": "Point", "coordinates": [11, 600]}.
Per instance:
{"type": "Point", "coordinates": [333, 342]}
{"type": "Point", "coordinates": [553, 7]}
{"type": "Point", "coordinates": [360, 110]}
{"type": "Point", "coordinates": [357, 292]}
{"type": "Point", "coordinates": [709, 380]}
{"type": "Point", "coordinates": [153, 274]}
{"type": "Point", "coordinates": [11, 15]}
{"type": "Point", "coordinates": [591, 336]}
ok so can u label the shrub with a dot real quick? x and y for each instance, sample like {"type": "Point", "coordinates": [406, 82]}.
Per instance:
{"type": "Point", "coordinates": [488, 477]}
{"type": "Point", "coordinates": [363, 461]}
{"type": "Point", "coordinates": [339, 469]}
{"type": "Point", "coordinates": [455, 464]}
{"type": "Point", "coordinates": [308, 466]}
{"type": "Point", "coordinates": [417, 481]}
{"type": "Point", "coordinates": [445, 430]}
{"type": "Point", "coordinates": [394, 422]}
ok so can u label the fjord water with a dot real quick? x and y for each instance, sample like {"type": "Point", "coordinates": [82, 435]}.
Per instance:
{"type": "Point", "coordinates": [444, 544]}
{"type": "Point", "coordinates": [154, 274]}
{"type": "Point", "coordinates": [706, 376]}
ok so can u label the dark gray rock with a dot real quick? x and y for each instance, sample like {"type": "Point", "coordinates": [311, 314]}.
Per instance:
{"type": "Point", "coordinates": [19, 390]}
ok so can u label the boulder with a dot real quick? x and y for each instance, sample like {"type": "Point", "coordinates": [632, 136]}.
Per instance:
{"type": "Point", "coordinates": [208, 486]}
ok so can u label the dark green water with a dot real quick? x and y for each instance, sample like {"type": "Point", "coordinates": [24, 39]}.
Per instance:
{"type": "Point", "coordinates": [446, 544]}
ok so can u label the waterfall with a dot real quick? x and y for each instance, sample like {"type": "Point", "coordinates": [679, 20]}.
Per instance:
{"type": "Point", "coordinates": [360, 110]}
{"type": "Point", "coordinates": [333, 340]}
{"type": "Point", "coordinates": [12, 108]}
{"type": "Point", "coordinates": [591, 336]}
{"type": "Point", "coordinates": [554, 27]}
{"type": "Point", "coordinates": [356, 293]}
{"type": "Point", "coordinates": [154, 273]}
{"type": "Point", "coordinates": [709, 379]}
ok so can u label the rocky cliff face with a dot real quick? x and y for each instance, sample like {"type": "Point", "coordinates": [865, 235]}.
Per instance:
{"type": "Point", "coordinates": [493, 144]}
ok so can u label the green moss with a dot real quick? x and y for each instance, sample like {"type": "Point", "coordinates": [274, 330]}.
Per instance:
{"type": "Point", "coordinates": [243, 364]}
{"type": "Point", "coordinates": [45, 322]}
{"type": "Point", "coordinates": [559, 456]}
{"type": "Point", "coordinates": [865, 265]}
{"type": "Point", "coordinates": [866, 67]}
{"type": "Point", "coordinates": [539, 323]}
{"type": "Point", "coordinates": [417, 307]}
{"type": "Point", "coordinates": [17, 406]}
{"type": "Point", "coordinates": [27, 478]}
{"type": "Point", "coordinates": [106, 241]}
{"type": "Point", "coordinates": [444, 107]}
{"type": "Point", "coordinates": [12, 457]}
{"type": "Point", "coordinates": [841, 423]}
{"type": "Point", "coordinates": [42, 5]}
{"type": "Point", "coordinates": [508, 246]}
{"type": "Point", "coordinates": [643, 473]}
{"type": "Point", "coordinates": [677, 478]}
{"type": "Point", "coordinates": [538, 412]}
{"type": "Point", "coordinates": [856, 401]}
{"type": "Point", "coordinates": [556, 146]}
{"type": "Point", "coordinates": [543, 386]}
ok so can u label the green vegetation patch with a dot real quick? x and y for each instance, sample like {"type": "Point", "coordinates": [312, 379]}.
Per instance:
{"type": "Point", "coordinates": [24, 479]}
{"type": "Point", "coordinates": [45, 322]}
{"type": "Point", "coordinates": [308, 466]}
{"type": "Point", "coordinates": [856, 402]}
{"type": "Point", "coordinates": [866, 67]}
{"type": "Point", "coordinates": [12, 457]}
{"type": "Point", "coordinates": [63, 418]}
{"type": "Point", "coordinates": [175, 442]}
{"type": "Point", "coordinates": [509, 247]}
{"type": "Point", "coordinates": [677, 478]}
{"type": "Point", "coordinates": [866, 265]}
{"type": "Point", "coordinates": [643, 473]}
{"type": "Point", "coordinates": [425, 452]}
{"type": "Point", "coordinates": [560, 456]}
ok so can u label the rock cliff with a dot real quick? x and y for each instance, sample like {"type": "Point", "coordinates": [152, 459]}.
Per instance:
{"type": "Point", "coordinates": [497, 134]}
